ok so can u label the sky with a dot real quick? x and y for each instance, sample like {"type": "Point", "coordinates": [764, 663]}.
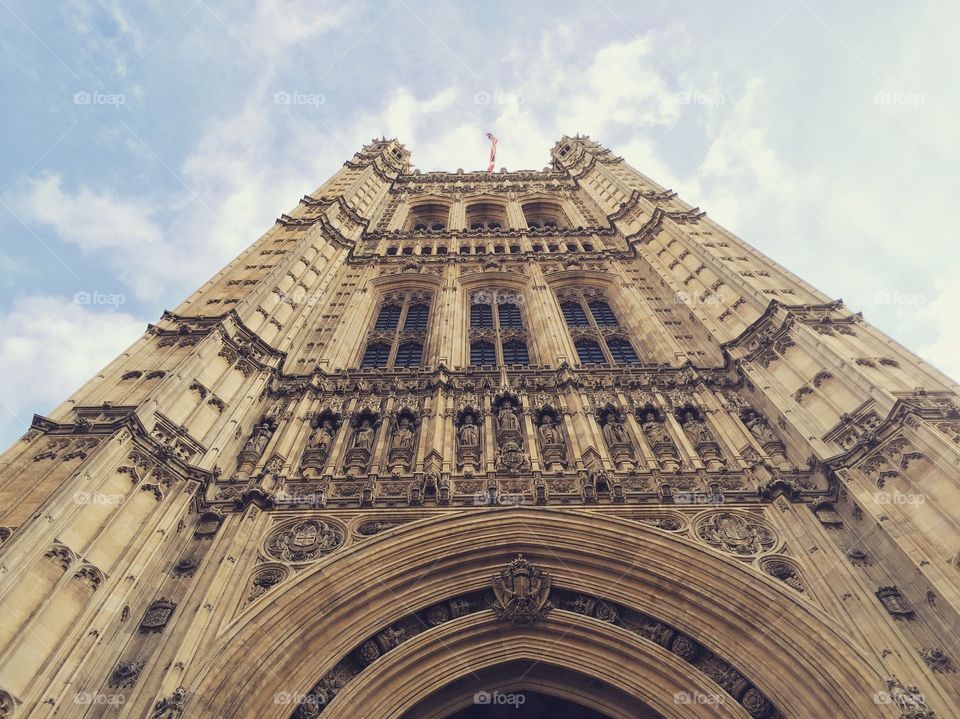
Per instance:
{"type": "Point", "coordinates": [144, 145]}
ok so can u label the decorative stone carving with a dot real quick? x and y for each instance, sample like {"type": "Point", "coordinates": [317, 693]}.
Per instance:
{"type": "Point", "coordinates": [938, 660]}
{"type": "Point", "coordinates": [553, 446]}
{"type": "Point", "coordinates": [617, 437]}
{"type": "Point", "coordinates": [264, 580]}
{"type": "Point", "coordinates": [402, 441]}
{"type": "Point", "coordinates": [909, 700]}
{"type": "Point", "coordinates": [655, 430]}
{"type": "Point", "coordinates": [737, 534]}
{"type": "Point", "coordinates": [361, 443]}
{"type": "Point", "coordinates": [319, 444]}
{"type": "Point", "coordinates": [522, 593]}
{"type": "Point", "coordinates": [784, 571]}
{"type": "Point", "coordinates": [895, 603]}
{"type": "Point", "coordinates": [126, 674]}
{"type": "Point", "coordinates": [256, 443]}
{"type": "Point", "coordinates": [157, 616]}
{"type": "Point", "coordinates": [468, 441]}
{"type": "Point", "coordinates": [511, 456]}
{"type": "Point", "coordinates": [304, 540]}
{"type": "Point", "coordinates": [208, 523]}
{"type": "Point", "coordinates": [704, 442]}
{"type": "Point", "coordinates": [171, 707]}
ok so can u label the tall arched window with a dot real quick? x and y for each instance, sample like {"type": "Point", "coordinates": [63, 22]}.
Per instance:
{"type": "Point", "coordinates": [589, 352]}
{"type": "Point", "coordinates": [482, 353]}
{"type": "Point", "coordinates": [428, 216]}
{"type": "Point", "coordinates": [376, 355]}
{"type": "Point", "coordinates": [497, 314]}
{"type": "Point", "coordinates": [399, 331]}
{"type": "Point", "coordinates": [594, 327]}
{"type": "Point", "coordinates": [621, 351]}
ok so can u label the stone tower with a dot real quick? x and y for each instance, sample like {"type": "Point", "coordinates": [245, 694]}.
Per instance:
{"type": "Point", "coordinates": [444, 440]}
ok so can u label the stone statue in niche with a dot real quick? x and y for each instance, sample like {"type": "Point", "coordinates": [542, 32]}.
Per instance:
{"type": "Point", "coordinates": [552, 444]}
{"type": "Point", "coordinates": [662, 445]}
{"type": "Point", "coordinates": [468, 442]}
{"type": "Point", "coordinates": [255, 446]}
{"type": "Point", "coordinates": [361, 446]}
{"type": "Point", "coordinates": [319, 445]}
{"type": "Point", "coordinates": [703, 440]}
{"type": "Point", "coordinates": [618, 440]}
{"type": "Point", "coordinates": [363, 438]}
{"type": "Point", "coordinates": [768, 441]}
{"type": "Point", "coordinates": [401, 443]}
{"type": "Point", "coordinates": [507, 417]}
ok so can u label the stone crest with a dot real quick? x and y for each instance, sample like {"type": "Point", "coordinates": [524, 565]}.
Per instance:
{"type": "Point", "coordinates": [522, 592]}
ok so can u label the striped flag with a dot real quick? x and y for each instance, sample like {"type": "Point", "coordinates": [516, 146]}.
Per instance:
{"type": "Point", "coordinates": [493, 150]}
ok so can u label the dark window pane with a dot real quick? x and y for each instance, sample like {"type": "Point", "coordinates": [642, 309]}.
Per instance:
{"type": "Point", "coordinates": [573, 313]}
{"type": "Point", "coordinates": [482, 353]}
{"type": "Point", "coordinates": [408, 355]}
{"type": "Point", "coordinates": [589, 352]}
{"type": "Point", "coordinates": [481, 316]}
{"type": "Point", "coordinates": [388, 318]}
{"type": "Point", "coordinates": [376, 355]}
{"type": "Point", "coordinates": [417, 316]}
{"type": "Point", "coordinates": [509, 315]}
{"type": "Point", "coordinates": [621, 351]}
{"type": "Point", "coordinates": [602, 314]}
{"type": "Point", "coordinates": [515, 352]}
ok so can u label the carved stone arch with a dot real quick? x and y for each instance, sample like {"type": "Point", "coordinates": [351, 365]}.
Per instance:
{"type": "Point", "coordinates": [732, 611]}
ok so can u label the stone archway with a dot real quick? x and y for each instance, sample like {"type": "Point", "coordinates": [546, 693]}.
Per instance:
{"type": "Point", "coordinates": [789, 650]}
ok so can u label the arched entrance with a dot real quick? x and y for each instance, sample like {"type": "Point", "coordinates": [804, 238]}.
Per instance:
{"type": "Point", "coordinates": [774, 646]}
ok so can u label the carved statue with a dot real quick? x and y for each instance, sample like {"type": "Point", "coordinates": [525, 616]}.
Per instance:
{"type": "Point", "coordinates": [615, 433]}
{"type": "Point", "coordinates": [507, 418]}
{"type": "Point", "coordinates": [549, 433]}
{"type": "Point", "coordinates": [403, 435]}
{"type": "Point", "coordinates": [259, 438]}
{"type": "Point", "coordinates": [761, 430]}
{"type": "Point", "coordinates": [655, 430]}
{"type": "Point", "coordinates": [322, 437]}
{"type": "Point", "coordinates": [468, 434]}
{"type": "Point", "coordinates": [696, 429]}
{"type": "Point", "coordinates": [363, 439]}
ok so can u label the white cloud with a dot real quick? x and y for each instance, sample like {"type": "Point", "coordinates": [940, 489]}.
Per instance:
{"type": "Point", "coordinates": [941, 315]}
{"type": "Point", "coordinates": [51, 347]}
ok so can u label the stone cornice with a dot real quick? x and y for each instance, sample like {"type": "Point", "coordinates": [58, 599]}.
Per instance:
{"type": "Point", "coordinates": [532, 233]}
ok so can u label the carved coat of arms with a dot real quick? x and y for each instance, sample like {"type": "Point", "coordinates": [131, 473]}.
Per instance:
{"type": "Point", "coordinates": [522, 592]}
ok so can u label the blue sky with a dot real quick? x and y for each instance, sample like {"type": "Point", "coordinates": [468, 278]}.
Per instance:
{"type": "Point", "coordinates": [145, 145]}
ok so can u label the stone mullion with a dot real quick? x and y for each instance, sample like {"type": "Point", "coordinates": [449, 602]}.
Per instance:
{"type": "Point", "coordinates": [378, 453]}
{"type": "Point", "coordinates": [529, 433]}
{"type": "Point", "coordinates": [490, 445]}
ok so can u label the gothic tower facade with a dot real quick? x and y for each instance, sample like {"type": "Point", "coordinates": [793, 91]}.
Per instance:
{"type": "Point", "coordinates": [439, 440]}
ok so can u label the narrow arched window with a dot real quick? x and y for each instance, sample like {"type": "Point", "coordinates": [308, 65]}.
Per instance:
{"type": "Point", "coordinates": [621, 351]}
{"type": "Point", "coordinates": [482, 353]}
{"type": "Point", "coordinates": [417, 316]}
{"type": "Point", "coordinates": [388, 318]}
{"type": "Point", "coordinates": [409, 354]}
{"type": "Point", "coordinates": [481, 316]}
{"type": "Point", "coordinates": [573, 314]}
{"type": "Point", "coordinates": [509, 315]}
{"type": "Point", "coordinates": [602, 314]}
{"type": "Point", "coordinates": [376, 355]}
{"type": "Point", "coordinates": [589, 352]}
{"type": "Point", "coordinates": [515, 352]}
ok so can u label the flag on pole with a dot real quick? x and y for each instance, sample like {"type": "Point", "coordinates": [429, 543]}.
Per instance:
{"type": "Point", "coordinates": [493, 150]}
